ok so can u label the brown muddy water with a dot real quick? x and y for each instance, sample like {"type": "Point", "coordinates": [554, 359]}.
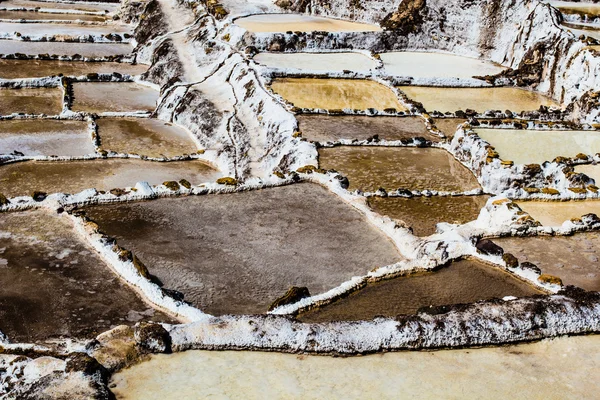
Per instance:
{"type": "Point", "coordinates": [113, 97]}
{"type": "Point", "coordinates": [423, 213]}
{"type": "Point", "coordinates": [53, 285]}
{"type": "Point", "coordinates": [555, 213]}
{"type": "Point", "coordinates": [41, 16]}
{"type": "Point", "coordinates": [464, 281]}
{"type": "Point", "coordinates": [302, 23]}
{"type": "Point", "coordinates": [237, 253]}
{"type": "Point", "coordinates": [448, 126]}
{"type": "Point", "coordinates": [31, 101]}
{"type": "Point", "coordinates": [64, 48]}
{"type": "Point", "coordinates": [21, 179]}
{"type": "Point", "coordinates": [574, 259]}
{"type": "Point", "coordinates": [564, 367]}
{"type": "Point", "coordinates": [336, 94]}
{"type": "Point", "coordinates": [478, 99]}
{"type": "Point", "coordinates": [369, 168]}
{"type": "Point", "coordinates": [327, 128]}
{"type": "Point", "coordinates": [13, 69]}
{"type": "Point", "coordinates": [149, 137]}
{"type": "Point", "coordinates": [45, 138]}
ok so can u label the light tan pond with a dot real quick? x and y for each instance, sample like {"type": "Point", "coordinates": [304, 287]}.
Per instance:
{"type": "Point", "coordinates": [478, 99]}
{"type": "Point", "coordinates": [32, 16]}
{"type": "Point", "coordinates": [532, 146]}
{"type": "Point", "coordinates": [448, 126]}
{"type": "Point", "coordinates": [554, 213]}
{"type": "Point", "coordinates": [45, 138]}
{"type": "Point", "coordinates": [55, 5]}
{"type": "Point", "coordinates": [69, 30]}
{"type": "Point", "coordinates": [436, 65]}
{"type": "Point", "coordinates": [575, 259]}
{"type": "Point", "coordinates": [13, 69]}
{"type": "Point", "coordinates": [21, 179]}
{"type": "Point", "coordinates": [31, 101]}
{"type": "Point", "coordinates": [113, 97]}
{"type": "Point", "coordinates": [149, 137]}
{"type": "Point", "coordinates": [320, 62]}
{"type": "Point", "coordinates": [369, 168]}
{"type": "Point", "coordinates": [593, 171]}
{"type": "Point", "coordinates": [302, 23]}
{"type": "Point", "coordinates": [64, 48]}
{"type": "Point", "coordinates": [330, 94]}
{"type": "Point", "coordinates": [423, 213]}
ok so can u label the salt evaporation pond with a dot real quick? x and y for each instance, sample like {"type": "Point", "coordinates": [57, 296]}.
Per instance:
{"type": "Point", "coordinates": [554, 368]}
{"type": "Point", "coordinates": [463, 281]}
{"type": "Point", "coordinates": [555, 213]}
{"type": "Point", "coordinates": [574, 259]}
{"type": "Point", "coordinates": [143, 136]}
{"type": "Point", "coordinates": [580, 29]}
{"type": "Point", "coordinates": [583, 8]}
{"type": "Point", "coordinates": [13, 69]}
{"type": "Point", "coordinates": [99, 97]}
{"type": "Point", "coordinates": [448, 126]}
{"type": "Point", "coordinates": [21, 179]}
{"type": "Point", "coordinates": [436, 65]}
{"type": "Point", "coordinates": [524, 146]}
{"type": "Point", "coordinates": [61, 6]}
{"type": "Point", "coordinates": [593, 171]}
{"type": "Point", "coordinates": [369, 168]}
{"type": "Point", "coordinates": [31, 101]}
{"type": "Point", "coordinates": [329, 128]}
{"type": "Point", "coordinates": [54, 285]}
{"type": "Point", "coordinates": [65, 48]}
{"type": "Point", "coordinates": [478, 99]}
{"type": "Point", "coordinates": [41, 16]}
{"type": "Point", "coordinates": [40, 137]}
{"type": "Point", "coordinates": [300, 23]}
{"type": "Point", "coordinates": [336, 94]}
{"type": "Point", "coordinates": [237, 253]}
{"type": "Point", "coordinates": [317, 62]}
{"type": "Point", "coordinates": [70, 30]}
{"type": "Point", "coordinates": [423, 213]}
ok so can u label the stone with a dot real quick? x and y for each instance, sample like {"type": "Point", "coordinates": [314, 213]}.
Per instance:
{"type": "Point", "coordinates": [293, 295]}
{"type": "Point", "coordinates": [486, 246]}
{"type": "Point", "coordinates": [152, 337]}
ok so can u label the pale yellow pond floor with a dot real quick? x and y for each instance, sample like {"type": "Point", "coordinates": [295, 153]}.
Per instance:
{"type": "Point", "coordinates": [554, 213]}
{"type": "Point", "coordinates": [302, 23]}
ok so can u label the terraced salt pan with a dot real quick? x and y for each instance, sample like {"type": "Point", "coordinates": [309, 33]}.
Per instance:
{"type": "Point", "coordinates": [237, 253]}
{"type": "Point", "coordinates": [61, 6]}
{"type": "Point", "coordinates": [369, 168]}
{"type": "Point", "coordinates": [579, 30]}
{"type": "Point", "coordinates": [532, 146]}
{"type": "Point", "coordinates": [478, 99]}
{"type": "Point", "coordinates": [45, 138]}
{"type": "Point", "coordinates": [149, 137]}
{"type": "Point", "coordinates": [448, 125]}
{"type": "Point", "coordinates": [436, 65]}
{"type": "Point", "coordinates": [13, 69]}
{"type": "Point", "coordinates": [53, 285]}
{"type": "Point", "coordinates": [74, 30]}
{"type": "Point", "coordinates": [585, 8]}
{"type": "Point", "coordinates": [302, 23]}
{"type": "Point", "coordinates": [572, 258]}
{"type": "Point", "coordinates": [21, 179]}
{"type": "Point", "coordinates": [423, 213]}
{"type": "Point", "coordinates": [95, 97]}
{"type": "Point", "coordinates": [338, 94]}
{"type": "Point", "coordinates": [551, 369]}
{"type": "Point", "coordinates": [593, 171]}
{"type": "Point", "coordinates": [64, 48]}
{"type": "Point", "coordinates": [464, 281]}
{"type": "Point", "coordinates": [31, 101]}
{"type": "Point", "coordinates": [555, 213]}
{"type": "Point", "coordinates": [33, 16]}
{"type": "Point", "coordinates": [318, 62]}
{"type": "Point", "coordinates": [327, 128]}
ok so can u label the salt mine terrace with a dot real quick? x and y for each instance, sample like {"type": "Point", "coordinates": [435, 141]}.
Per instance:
{"type": "Point", "coordinates": [42, 16]}
{"type": "Point", "coordinates": [14, 69]}
{"type": "Point", "coordinates": [86, 50]}
{"type": "Point", "coordinates": [93, 97]}
{"type": "Point", "coordinates": [31, 101]}
{"type": "Point", "coordinates": [555, 213]}
{"type": "Point", "coordinates": [301, 23]}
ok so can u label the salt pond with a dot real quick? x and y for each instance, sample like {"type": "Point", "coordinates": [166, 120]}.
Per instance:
{"type": "Point", "coordinates": [330, 94]}
{"type": "Point", "coordinates": [54, 285]}
{"type": "Point", "coordinates": [62, 5]}
{"type": "Point", "coordinates": [237, 253]}
{"type": "Point", "coordinates": [524, 146]}
{"type": "Point", "coordinates": [64, 48]}
{"type": "Point", "coordinates": [143, 136]}
{"type": "Point", "coordinates": [31, 101]}
{"type": "Point", "coordinates": [478, 99]}
{"type": "Point", "coordinates": [575, 259]}
{"type": "Point", "coordinates": [448, 126]}
{"type": "Point", "coordinates": [21, 179]}
{"type": "Point", "coordinates": [69, 30]}
{"type": "Point", "coordinates": [436, 65]}
{"type": "Point", "coordinates": [317, 62]}
{"type": "Point", "coordinates": [102, 97]}
{"type": "Point", "coordinates": [32, 15]}
{"type": "Point", "coordinates": [45, 137]}
{"type": "Point", "coordinates": [583, 8]}
{"type": "Point", "coordinates": [555, 213]}
{"type": "Point", "coordinates": [369, 168]}
{"type": "Point", "coordinates": [13, 69]}
{"type": "Point", "coordinates": [302, 23]}
{"type": "Point", "coordinates": [423, 213]}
